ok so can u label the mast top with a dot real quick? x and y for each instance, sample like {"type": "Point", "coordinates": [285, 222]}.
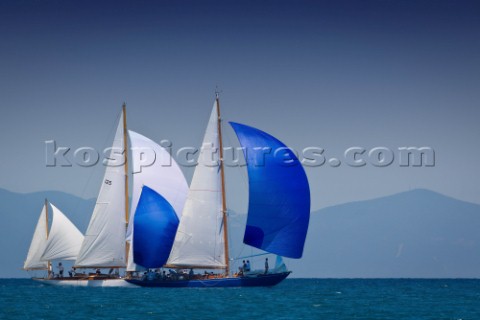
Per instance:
{"type": "Point", "coordinates": [217, 92]}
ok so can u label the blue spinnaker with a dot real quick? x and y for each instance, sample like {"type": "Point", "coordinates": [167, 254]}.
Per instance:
{"type": "Point", "coordinates": [155, 225]}
{"type": "Point", "coordinates": [279, 195]}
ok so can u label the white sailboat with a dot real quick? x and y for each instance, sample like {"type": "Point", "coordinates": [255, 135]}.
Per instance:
{"type": "Point", "coordinates": [104, 242]}
{"type": "Point", "coordinates": [109, 240]}
{"type": "Point", "coordinates": [61, 242]}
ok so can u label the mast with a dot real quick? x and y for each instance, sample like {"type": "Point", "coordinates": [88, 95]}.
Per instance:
{"type": "Point", "coordinates": [222, 175]}
{"type": "Point", "coordinates": [49, 264]}
{"type": "Point", "coordinates": [125, 166]}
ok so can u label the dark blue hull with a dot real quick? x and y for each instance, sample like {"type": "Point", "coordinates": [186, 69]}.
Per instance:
{"type": "Point", "coordinates": [262, 280]}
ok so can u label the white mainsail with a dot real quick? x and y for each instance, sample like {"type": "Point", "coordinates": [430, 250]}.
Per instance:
{"type": "Point", "coordinates": [199, 241]}
{"type": "Point", "coordinates": [64, 239]}
{"type": "Point", "coordinates": [104, 243]}
{"type": "Point", "coordinates": [37, 245]}
{"type": "Point", "coordinates": [161, 173]}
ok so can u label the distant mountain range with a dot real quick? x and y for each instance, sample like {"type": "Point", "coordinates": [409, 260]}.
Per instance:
{"type": "Point", "coordinates": [413, 234]}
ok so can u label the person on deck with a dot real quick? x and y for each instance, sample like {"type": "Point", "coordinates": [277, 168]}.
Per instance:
{"type": "Point", "coordinates": [172, 274]}
{"type": "Point", "coordinates": [60, 269]}
{"type": "Point", "coordinates": [247, 268]}
{"type": "Point", "coordinates": [266, 265]}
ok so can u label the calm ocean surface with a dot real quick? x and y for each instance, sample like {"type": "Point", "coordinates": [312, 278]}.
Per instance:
{"type": "Point", "coordinates": [292, 299]}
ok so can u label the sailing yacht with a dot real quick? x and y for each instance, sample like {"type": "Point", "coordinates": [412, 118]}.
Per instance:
{"type": "Point", "coordinates": [108, 243]}
{"type": "Point", "coordinates": [61, 242]}
{"type": "Point", "coordinates": [277, 223]}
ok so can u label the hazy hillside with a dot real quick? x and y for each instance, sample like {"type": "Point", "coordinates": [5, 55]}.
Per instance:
{"type": "Point", "coordinates": [418, 233]}
{"type": "Point", "coordinates": [412, 234]}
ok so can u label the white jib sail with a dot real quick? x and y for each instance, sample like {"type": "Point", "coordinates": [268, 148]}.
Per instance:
{"type": "Point", "coordinates": [64, 240]}
{"type": "Point", "coordinates": [154, 167]}
{"type": "Point", "coordinates": [37, 245]}
{"type": "Point", "coordinates": [104, 243]}
{"type": "Point", "coordinates": [199, 240]}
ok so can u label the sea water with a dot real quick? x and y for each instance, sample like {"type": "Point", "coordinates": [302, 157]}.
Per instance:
{"type": "Point", "coordinates": [292, 299]}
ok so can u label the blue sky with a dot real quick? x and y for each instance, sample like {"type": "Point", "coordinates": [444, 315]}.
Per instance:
{"type": "Point", "coordinates": [330, 74]}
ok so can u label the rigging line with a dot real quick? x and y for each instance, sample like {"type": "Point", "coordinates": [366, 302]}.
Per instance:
{"type": "Point", "coordinates": [243, 170]}
{"type": "Point", "coordinates": [250, 256]}
{"type": "Point", "coordinates": [113, 128]}
{"type": "Point", "coordinates": [241, 250]}
{"type": "Point", "coordinates": [244, 178]}
{"type": "Point", "coordinates": [108, 138]}
{"type": "Point", "coordinates": [243, 175]}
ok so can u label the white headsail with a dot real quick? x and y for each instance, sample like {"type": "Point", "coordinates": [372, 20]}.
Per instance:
{"type": "Point", "coordinates": [199, 241]}
{"type": "Point", "coordinates": [153, 167]}
{"type": "Point", "coordinates": [104, 243]}
{"type": "Point", "coordinates": [37, 245]}
{"type": "Point", "coordinates": [64, 240]}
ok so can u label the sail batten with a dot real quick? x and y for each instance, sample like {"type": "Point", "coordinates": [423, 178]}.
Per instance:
{"type": "Point", "coordinates": [279, 195]}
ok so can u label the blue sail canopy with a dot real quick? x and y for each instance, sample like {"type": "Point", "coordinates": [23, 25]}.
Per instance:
{"type": "Point", "coordinates": [279, 195]}
{"type": "Point", "coordinates": [154, 228]}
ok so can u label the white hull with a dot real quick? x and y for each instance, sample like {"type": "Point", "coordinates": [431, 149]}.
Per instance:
{"type": "Point", "coordinates": [86, 282]}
